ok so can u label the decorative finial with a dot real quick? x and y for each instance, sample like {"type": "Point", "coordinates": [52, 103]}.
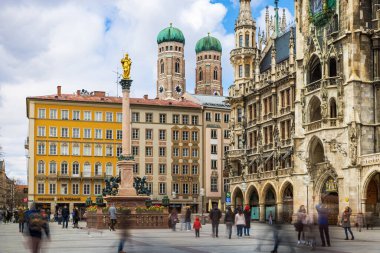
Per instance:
{"type": "Point", "coordinates": [208, 34]}
{"type": "Point", "coordinates": [171, 24]}
{"type": "Point", "coordinates": [126, 63]}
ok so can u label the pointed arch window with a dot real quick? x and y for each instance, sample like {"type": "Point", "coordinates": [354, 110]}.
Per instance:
{"type": "Point", "coordinates": [247, 40]}
{"type": "Point", "coordinates": [216, 74]}
{"type": "Point", "coordinates": [332, 67]}
{"type": "Point", "coordinates": [200, 74]}
{"type": "Point", "coordinates": [240, 40]}
{"type": "Point", "coordinates": [333, 113]}
{"type": "Point", "coordinates": [162, 66]}
{"type": "Point", "coordinates": [177, 68]}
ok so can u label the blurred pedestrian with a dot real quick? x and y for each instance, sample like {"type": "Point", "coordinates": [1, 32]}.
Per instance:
{"type": "Point", "coordinates": [188, 219]}
{"type": "Point", "coordinates": [240, 223]}
{"type": "Point", "coordinates": [21, 220]}
{"type": "Point", "coordinates": [59, 216]}
{"type": "Point", "coordinates": [270, 218]}
{"type": "Point", "coordinates": [36, 226]}
{"type": "Point", "coordinates": [229, 219]}
{"type": "Point", "coordinates": [346, 223]}
{"type": "Point", "coordinates": [76, 217]}
{"type": "Point", "coordinates": [197, 226]}
{"type": "Point", "coordinates": [112, 216]}
{"type": "Point", "coordinates": [173, 218]}
{"type": "Point", "coordinates": [301, 217]}
{"type": "Point", "coordinates": [215, 215]}
{"type": "Point", "coordinates": [323, 223]}
{"type": "Point", "coordinates": [360, 221]}
{"type": "Point", "coordinates": [247, 215]}
{"type": "Point", "coordinates": [65, 216]}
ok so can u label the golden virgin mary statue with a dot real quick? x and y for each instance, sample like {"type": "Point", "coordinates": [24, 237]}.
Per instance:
{"type": "Point", "coordinates": [126, 64]}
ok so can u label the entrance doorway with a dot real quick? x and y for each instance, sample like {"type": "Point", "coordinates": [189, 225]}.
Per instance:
{"type": "Point", "coordinates": [270, 204]}
{"type": "Point", "coordinates": [287, 204]}
{"type": "Point", "coordinates": [254, 203]}
{"type": "Point", "coordinates": [238, 198]}
{"type": "Point", "coordinates": [330, 197]}
{"type": "Point", "coordinates": [373, 190]}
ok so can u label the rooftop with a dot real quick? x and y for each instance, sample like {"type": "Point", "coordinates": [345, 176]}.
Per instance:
{"type": "Point", "coordinates": [211, 101]}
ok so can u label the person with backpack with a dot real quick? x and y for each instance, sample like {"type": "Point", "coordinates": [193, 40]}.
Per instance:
{"type": "Point", "coordinates": [65, 217]}
{"type": "Point", "coordinates": [215, 215]}
{"type": "Point", "coordinates": [21, 220]}
{"type": "Point", "coordinates": [36, 226]}
{"type": "Point", "coordinates": [247, 215]}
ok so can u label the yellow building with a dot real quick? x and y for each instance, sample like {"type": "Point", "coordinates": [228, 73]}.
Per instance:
{"type": "Point", "coordinates": [73, 144]}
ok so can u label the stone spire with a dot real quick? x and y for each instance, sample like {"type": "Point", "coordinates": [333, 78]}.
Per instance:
{"type": "Point", "coordinates": [283, 21]}
{"type": "Point", "coordinates": [267, 24]}
{"type": "Point", "coordinates": [276, 18]}
{"type": "Point", "coordinates": [245, 12]}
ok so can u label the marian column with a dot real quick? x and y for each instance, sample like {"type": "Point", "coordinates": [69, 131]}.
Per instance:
{"type": "Point", "coordinates": [126, 160]}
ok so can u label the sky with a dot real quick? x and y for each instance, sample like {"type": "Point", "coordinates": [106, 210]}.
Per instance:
{"type": "Point", "coordinates": [79, 44]}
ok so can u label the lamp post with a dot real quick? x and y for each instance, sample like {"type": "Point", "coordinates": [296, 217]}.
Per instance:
{"type": "Point", "coordinates": [243, 189]}
{"type": "Point", "coordinates": [306, 182]}
{"type": "Point", "coordinates": [202, 194]}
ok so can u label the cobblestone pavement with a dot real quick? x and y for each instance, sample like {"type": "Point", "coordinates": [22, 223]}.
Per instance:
{"type": "Point", "coordinates": [165, 241]}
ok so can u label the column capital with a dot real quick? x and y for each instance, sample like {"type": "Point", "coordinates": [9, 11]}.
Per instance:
{"type": "Point", "coordinates": [126, 84]}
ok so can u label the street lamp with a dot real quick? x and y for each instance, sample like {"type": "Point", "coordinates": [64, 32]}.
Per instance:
{"type": "Point", "coordinates": [202, 194]}
{"type": "Point", "coordinates": [306, 182]}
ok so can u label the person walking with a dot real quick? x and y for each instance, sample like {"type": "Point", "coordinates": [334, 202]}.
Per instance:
{"type": "Point", "coordinates": [188, 219]}
{"type": "Point", "coordinates": [173, 218]}
{"type": "Point", "coordinates": [65, 216]}
{"type": "Point", "coordinates": [270, 218]}
{"type": "Point", "coordinates": [360, 221]}
{"type": "Point", "coordinates": [323, 223]}
{"type": "Point", "coordinates": [346, 223]}
{"type": "Point", "coordinates": [76, 217]}
{"type": "Point", "coordinates": [215, 215]}
{"type": "Point", "coordinates": [240, 223]}
{"type": "Point", "coordinates": [299, 224]}
{"type": "Point", "coordinates": [247, 215]}
{"type": "Point", "coordinates": [36, 226]}
{"type": "Point", "coordinates": [21, 220]}
{"type": "Point", "coordinates": [229, 219]}
{"type": "Point", "coordinates": [112, 216]}
{"type": "Point", "coordinates": [59, 216]}
{"type": "Point", "coordinates": [197, 226]}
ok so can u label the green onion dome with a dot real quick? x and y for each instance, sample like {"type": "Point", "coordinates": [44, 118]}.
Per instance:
{"type": "Point", "coordinates": [170, 34]}
{"type": "Point", "coordinates": [208, 43]}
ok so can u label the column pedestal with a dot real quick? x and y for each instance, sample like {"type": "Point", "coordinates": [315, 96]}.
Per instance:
{"type": "Point", "coordinates": [262, 212]}
{"type": "Point", "coordinates": [126, 186]}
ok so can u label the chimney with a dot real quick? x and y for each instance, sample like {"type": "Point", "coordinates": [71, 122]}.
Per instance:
{"type": "Point", "coordinates": [145, 96]}
{"type": "Point", "coordinates": [78, 92]}
{"type": "Point", "coordinates": [99, 93]}
{"type": "Point", "coordinates": [59, 90]}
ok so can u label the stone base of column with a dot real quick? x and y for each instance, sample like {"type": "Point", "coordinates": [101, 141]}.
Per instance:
{"type": "Point", "coordinates": [126, 184]}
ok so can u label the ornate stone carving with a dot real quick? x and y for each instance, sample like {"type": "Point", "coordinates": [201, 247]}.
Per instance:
{"type": "Point", "coordinates": [353, 135]}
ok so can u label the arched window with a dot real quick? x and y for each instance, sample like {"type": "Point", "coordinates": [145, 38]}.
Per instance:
{"type": "Point", "coordinates": [87, 169]}
{"type": "Point", "coordinates": [200, 74]}
{"type": "Point", "coordinates": [171, 48]}
{"type": "Point", "coordinates": [332, 67]}
{"type": "Point", "coordinates": [53, 167]}
{"type": "Point", "coordinates": [216, 74]}
{"type": "Point", "coordinates": [240, 40]}
{"type": "Point", "coordinates": [315, 69]}
{"type": "Point", "coordinates": [64, 168]}
{"type": "Point", "coordinates": [177, 69]}
{"type": "Point", "coordinates": [247, 39]}
{"type": "Point", "coordinates": [75, 169]}
{"type": "Point", "coordinates": [98, 169]}
{"type": "Point", "coordinates": [41, 167]}
{"type": "Point", "coordinates": [162, 66]}
{"type": "Point", "coordinates": [332, 108]}
{"type": "Point", "coordinates": [316, 151]}
{"type": "Point", "coordinates": [315, 109]}
{"type": "Point", "coordinates": [109, 169]}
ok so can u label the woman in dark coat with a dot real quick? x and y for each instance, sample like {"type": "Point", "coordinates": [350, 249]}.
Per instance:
{"type": "Point", "coordinates": [346, 223]}
{"type": "Point", "coordinates": [173, 218]}
{"type": "Point", "coordinates": [247, 215]}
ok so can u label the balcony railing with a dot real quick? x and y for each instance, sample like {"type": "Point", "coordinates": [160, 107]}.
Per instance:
{"type": "Point", "coordinates": [313, 86]}
{"type": "Point", "coordinates": [235, 153]}
{"type": "Point", "coordinates": [314, 125]}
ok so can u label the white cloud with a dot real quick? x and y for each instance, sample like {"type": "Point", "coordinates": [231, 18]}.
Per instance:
{"type": "Point", "coordinates": [68, 43]}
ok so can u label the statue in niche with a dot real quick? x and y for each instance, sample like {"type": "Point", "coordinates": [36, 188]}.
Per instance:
{"type": "Point", "coordinates": [353, 143]}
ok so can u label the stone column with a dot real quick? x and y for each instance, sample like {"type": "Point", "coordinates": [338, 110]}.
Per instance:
{"type": "Point", "coordinates": [280, 210]}
{"type": "Point", "coordinates": [262, 212]}
{"type": "Point", "coordinates": [126, 161]}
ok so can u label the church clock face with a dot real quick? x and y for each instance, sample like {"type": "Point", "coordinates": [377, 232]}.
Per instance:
{"type": "Point", "coordinates": [178, 89]}
{"type": "Point", "coordinates": [161, 89]}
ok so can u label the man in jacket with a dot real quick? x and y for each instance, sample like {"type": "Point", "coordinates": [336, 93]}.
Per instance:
{"type": "Point", "coordinates": [65, 216]}
{"type": "Point", "coordinates": [215, 215]}
{"type": "Point", "coordinates": [112, 213]}
{"type": "Point", "coordinates": [323, 222]}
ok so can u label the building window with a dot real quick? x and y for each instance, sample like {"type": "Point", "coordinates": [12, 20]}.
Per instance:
{"type": "Point", "coordinates": [98, 133]}
{"type": "Point", "coordinates": [64, 168]}
{"type": "Point", "coordinates": [64, 189]}
{"type": "Point", "coordinates": [175, 119]}
{"type": "Point", "coordinates": [109, 134]}
{"type": "Point", "coordinates": [41, 167]}
{"type": "Point", "coordinates": [185, 169]}
{"type": "Point", "coordinates": [162, 151]}
{"type": "Point", "coordinates": [214, 164]}
{"type": "Point", "coordinates": [162, 188]}
{"type": "Point", "coordinates": [149, 117]}
{"type": "Point", "coordinates": [41, 131]}
{"type": "Point", "coordinates": [53, 168]}
{"type": "Point", "coordinates": [208, 116]}
{"type": "Point", "coordinates": [226, 187]}
{"type": "Point", "coordinates": [76, 115]}
{"type": "Point", "coordinates": [98, 169]}
{"type": "Point", "coordinates": [162, 168]}
{"type": "Point", "coordinates": [87, 133]}
{"type": "Point", "coordinates": [214, 149]}
{"type": "Point", "coordinates": [185, 152]}
{"type": "Point", "coordinates": [119, 117]}
{"type": "Point", "coordinates": [195, 188]}
{"type": "Point", "coordinates": [64, 149]}
{"type": "Point", "coordinates": [217, 117]}
{"type": "Point", "coordinates": [162, 134]}
{"type": "Point", "coordinates": [41, 148]}
{"type": "Point", "coordinates": [194, 120]}
{"type": "Point", "coordinates": [87, 150]}
{"type": "Point", "coordinates": [97, 189]}
{"type": "Point", "coordinates": [52, 188]}
{"type": "Point", "coordinates": [148, 168]}
{"type": "Point", "coordinates": [226, 134]}
{"type": "Point", "coordinates": [177, 66]}
{"type": "Point", "coordinates": [175, 135]}
{"type": "Point", "coordinates": [86, 189]}
{"type": "Point", "coordinates": [135, 150]}
{"type": "Point", "coordinates": [98, 116]}
{"type": "Point", "coordinates": [109, 116]}
{"type": "Point", "coordinates": [215, 74]}
{"type": "Point", "coordinates": [87, 169]}
{"type": "Point", "coordinates": [76, 133]}
{"type": "Point", "coordinates": [75, 189]}
{"type": "Point", "coordinates": [64, 114]}
{"type": "Point", "coordinates": [240, 40]}
{"type": "Point", "coordinates": [185, 135]}
{"type": "Point", "coordinates": [148, 134]}
{"type": "Point", "coordinates": [185, 188]}
{"type": "Point", "coordinates": [53, 149]}
{"type": "Point", "coordinates": [194, 169]}
{"type": "Point", "coordinates": [136, 168]}
{"type": "Point", "coordinates": [109, 150]}
{"type": "Point", "coordinates": [87, 115]}
{"type": "Point", "coordinates": [53, 132]}
{"type": "Point", "coordinates": [194, 136]}
{"type": "Point", "coordinates": [119, 150]}
{"type": "Point", "coordinates": [135, 134]}
{"type": "Point", "coordinates": [214, 134]}
{"type": "Point", "coordinates": [53, 113]}
{"type": "Point", "coordinates": [75, 168]}
{"type": "Point", "coordinates": [162, 118]}
{"type": "Point", "coordinates": [148, 151]}
{"type": "Point", "coordinates": [200, 74]}
{"type": "Point", "coordinates": [162, 66]}
{"type": "Point", "coordinates": [135, 117]}
{"type": "Point", "coordinates": [41, 188]}
{"type": "Point", "coordinates": [226, 118]}
{"type": "Point", "coordinates": [41, 113]}
{"type": "Point", "coordinates": [119, 134]}
{"type": "Point", "coordinates": [247, 69]}
{"type": "Point", "coordinates": [64, 132]}
{"type": "Point", "coordinates": [214, 184]}
{"type": "Point", "coordinates": [175, 169]}
{"type": "Point", "coordinates": [109, 169]}
{"type": "Point", "coordinates": [185, 119]}
{"type": "Point", "coordinates": [175, 188]}
{"type": "Point", "coordinates": [194, 152]}
{"type": "Point", "coordinates": [240, 70]}
{"type": "Point", "coordinates": [175, 152]}
{"type": "Point", "coordinates": [226, 148]}
{"type": "Point", "coordinates": [98, 150]}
